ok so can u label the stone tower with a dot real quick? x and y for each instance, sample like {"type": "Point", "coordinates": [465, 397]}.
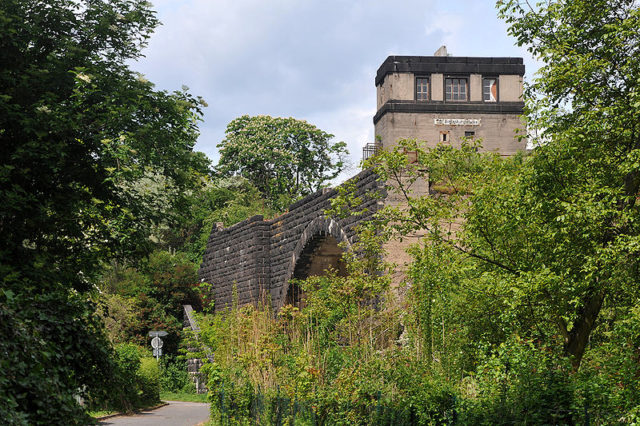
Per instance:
{"type": "Point", "coordinates": [442, 99]}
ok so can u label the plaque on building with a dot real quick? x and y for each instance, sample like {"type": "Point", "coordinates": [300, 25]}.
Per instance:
{"type": "Point", "coordinates": [456, 121]}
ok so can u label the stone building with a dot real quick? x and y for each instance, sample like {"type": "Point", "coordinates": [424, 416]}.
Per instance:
{"type": "Point", "coordinates": [442, 99]}
{"type": "Point", "coordinates": [437, 99]}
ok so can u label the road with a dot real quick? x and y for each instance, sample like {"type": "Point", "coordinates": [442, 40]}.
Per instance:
{"type": "Point", "coordinates": [177, 413]}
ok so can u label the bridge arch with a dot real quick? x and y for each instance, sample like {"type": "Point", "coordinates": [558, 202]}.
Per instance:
{"type": "Point", "coordinates": [254, 259]}
{"type": "Point", "coordinates": [317, 250]}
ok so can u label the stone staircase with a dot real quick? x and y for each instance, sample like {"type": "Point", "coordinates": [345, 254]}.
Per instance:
{"type": "Point", "coordinates": [194, 364]}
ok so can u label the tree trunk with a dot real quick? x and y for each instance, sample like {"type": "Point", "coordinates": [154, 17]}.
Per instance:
{"type": "Point", "coordinates": [577, 339]}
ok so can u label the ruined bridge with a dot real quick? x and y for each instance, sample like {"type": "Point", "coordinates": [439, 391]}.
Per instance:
{"type": "Point", "coordinates": [259, 257]}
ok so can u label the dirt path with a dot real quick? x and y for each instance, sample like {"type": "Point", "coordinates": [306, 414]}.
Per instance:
{"type": "Point", "coordinates": [177, 413]}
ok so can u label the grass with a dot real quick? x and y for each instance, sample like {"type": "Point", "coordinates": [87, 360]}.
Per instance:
{"type": "Point", "coordinates": [101, 413]}
{"type": "Point", "coordinates": [183, 396]}
{"type": "Point", "coordinates": [97, 414]}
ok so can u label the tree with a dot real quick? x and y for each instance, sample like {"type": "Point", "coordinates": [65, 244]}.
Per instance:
{"type": "Point", "coordinates": [587, 98]}
{"type": "Point", "coordinates": [135, 301]}
{"type": "Point", "coordinates": [227, 200]}
{"type": "Point", "coordinates": [284, 158]}
{"type": "Point", "coordinates": [558, 231]}
{"type": "Point", "coordinates": [79, 131]}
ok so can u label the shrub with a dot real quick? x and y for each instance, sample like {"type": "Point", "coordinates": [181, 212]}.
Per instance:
{"type": "Point", "coordinates": [522, 383]}
{"type": "Point", "coordinates": [138, 379]}
{"type": "Point", "coordinates": [148, 378]}
{"type": "Point", "coordinates": [128, 364]}
{"type": "Point", "coordinates": [174, 376]}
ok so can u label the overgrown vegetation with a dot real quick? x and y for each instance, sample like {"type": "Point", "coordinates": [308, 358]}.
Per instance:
{"type": "Point", "coordinates": [104, 206]}
{"type": "Point", "coordinates": [521, 304]}
{"type": "Point", "coordinates": [80, 134]}
{"type": "Point", "coordinates": [139, 377]}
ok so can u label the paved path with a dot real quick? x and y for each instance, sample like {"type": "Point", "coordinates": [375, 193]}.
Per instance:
{"type": "Point", "coordinates": [177, 413]}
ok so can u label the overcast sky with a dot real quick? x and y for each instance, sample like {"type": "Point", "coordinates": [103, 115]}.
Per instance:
{"type": "Point", "coordinates": [310, 59]}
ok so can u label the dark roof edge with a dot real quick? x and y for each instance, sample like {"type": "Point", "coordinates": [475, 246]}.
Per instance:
{"type": "Point", "coordinates": [395, 106]}
{"type": "Point", "coordinates": [450, 64]}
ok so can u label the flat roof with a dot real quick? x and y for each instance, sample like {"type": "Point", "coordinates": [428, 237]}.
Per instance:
{"type": "Point", "coordinates": [449, 65]}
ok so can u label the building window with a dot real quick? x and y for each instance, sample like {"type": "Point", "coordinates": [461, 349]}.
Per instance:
{"type": "Point", "coordinates": [444, 137]}
{"type": "Point", "coordinates": [456, 89]}
{"type": "Point", "coordinates": [469, 135]}
{"type": "Point", "coordinates": [490, 89]}
{"type": "Point", "coordinates": [422, 89]}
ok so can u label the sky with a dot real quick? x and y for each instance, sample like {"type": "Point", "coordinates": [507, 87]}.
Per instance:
{"type": "Point", "coordinates": [313, 60]}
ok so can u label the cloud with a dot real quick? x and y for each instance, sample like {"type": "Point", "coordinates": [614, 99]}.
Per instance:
{"type": "Point", "coordinates": [313, 60]}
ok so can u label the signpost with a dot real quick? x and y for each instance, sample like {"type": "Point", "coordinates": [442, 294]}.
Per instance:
{"type": "Point", "coordinates": [156, 342]}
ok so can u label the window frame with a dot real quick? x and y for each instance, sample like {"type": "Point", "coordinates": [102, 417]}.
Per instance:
{"type": "Point", "coordinates": [422, 77]}
{"type": "Point", "coordinates": [466, 87]}
{"type": "Point", "coordinates": [497, 79]}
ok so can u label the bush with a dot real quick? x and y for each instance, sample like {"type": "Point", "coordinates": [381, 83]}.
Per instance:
{"type": "Point", "coordinates": [148, 378]}
{"type": "Point", "coordinates": [522, 383]}
{"type": "Point", "coordinates": [128, 363]}
{"type": "Point", "coordinates": [138, 378]}
{"type": "Point", "coordinates": [41, 383]}
{"type": "Point", "coordinates": [174, 376]}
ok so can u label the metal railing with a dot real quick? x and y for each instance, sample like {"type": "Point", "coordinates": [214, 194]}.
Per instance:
{"type": "Point", "coordinates": [371, 149]}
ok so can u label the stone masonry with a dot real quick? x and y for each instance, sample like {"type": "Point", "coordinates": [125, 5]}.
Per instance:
{"type": "Point", "coordinates": [258, 257]}
{"type": "Point", "coordinates": [436, 99]}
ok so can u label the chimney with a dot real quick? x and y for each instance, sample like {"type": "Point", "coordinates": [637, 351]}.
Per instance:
{"type": "Point", "coordinates": [442, 51]}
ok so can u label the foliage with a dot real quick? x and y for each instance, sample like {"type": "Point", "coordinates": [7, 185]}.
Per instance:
{"type": "Point", "coordinates": [582, 184]}
{"type": "Point", "coordinates": [558, 229]}
{"type": "Point", "coordinates": [521, 383]}
{"type": "Point", "coordinates": [174, 376]}
{"type": "Point", "coordinates": [119, 315]}
{"type": "Point", "coordinates": [609, 377]}
{"type": "Point", "coordinates": [44, 343]}
{"type": "Point", "coordinates": [172, 281]}
{"type": "Point", "coordinates": [149, 381]}
{"type": "Point", "coordinates": [337, 360]}
{"type": "Point", "coordinates": [61, 86]}
{"type": "Point", "coordinates": [284, 158]}
{"type": "Point", "coordinates": [80, 134]}
{"type": "Point", "coordinates": [529, 263]}
{"type": "Point", "coordinates": [149, 297]}
{"type": "Point", "coordinates": [225, 200]}
{"type": "Point", "coordinates": [128, 361]}
{"type": "Point", "coordinates": [137, 378]}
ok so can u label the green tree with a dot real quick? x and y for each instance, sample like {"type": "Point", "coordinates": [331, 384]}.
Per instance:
{"type": "Point", "coordinates": [284, 158]}
{"type": "Point", "coordinates": [226, 200]}
{"type": "Point", "coordinates": [584, 182]}
{"type": "Point", "coordinates": [149, 297]}
{"type": "Point", "coordinates": [78, 132]}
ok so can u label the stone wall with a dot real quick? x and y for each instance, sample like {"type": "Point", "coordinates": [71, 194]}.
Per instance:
{"type": "Point", "coordinates": [259, 256]}
{"type": "Point", "coordinates": [497, 131]}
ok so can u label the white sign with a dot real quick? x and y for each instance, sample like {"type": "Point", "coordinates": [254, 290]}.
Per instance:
{"type": "Point", "coordinates": [456, 121]}
{"type": "Point", "coordinates": [156, 342]}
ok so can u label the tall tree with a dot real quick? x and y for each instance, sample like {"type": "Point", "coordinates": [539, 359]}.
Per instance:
{"type": "Point", "coordinates": [587, 100]}
{"type": "Point", "coordinates": [79, 132]}
{"type": "Point", "coordinates": [284, 158]}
